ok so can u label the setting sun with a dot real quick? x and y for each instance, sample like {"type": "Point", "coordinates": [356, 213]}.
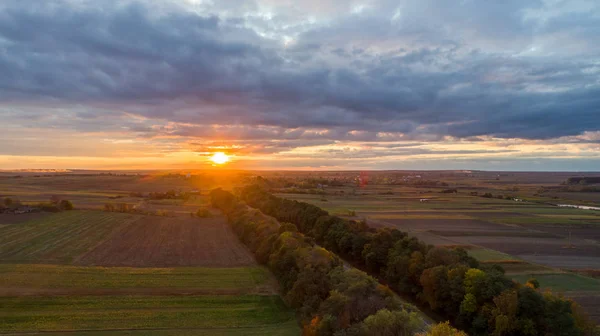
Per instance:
{"type": "Point", "coordinates": [219, 158]}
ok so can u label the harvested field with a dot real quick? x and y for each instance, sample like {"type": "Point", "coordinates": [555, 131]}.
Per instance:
{"type": "Point", "coordinates": [544, 245]}
{"type": "Point", "coordinates": [563, 282]}
{"type": "Point", "coordinates": [493, 214]}
{"type": "Point", "coordinates": [505, 233]}
{"type": "Point", "coordinates": [7, 219]}
{"type": "Point", "coordinates": [581, 232]}
{"type": "Point", "coordinates": [459, 225]}
{"type": "Point", "coordinates": [60, 237]}
{"type": "Point", "coordinates": [433, 239]}
{"type": "Point", "coordinates": [533, 246]}
{"type": "Point", "coordinates": [566, 262]}
{"type": "Point", "coordinates": [169, 242]}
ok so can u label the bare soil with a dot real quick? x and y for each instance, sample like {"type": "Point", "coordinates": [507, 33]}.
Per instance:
{"type": "Point", "coordinates": [171, 241]}
{"type": "Point", "coordinates": [574, 262]}
{"type": "Point", "coordinates": [547, 245]}
{"type": "Point", "coordinates": [20, 218]}
{"type": "Point", "coordinates": [582, 232]}
{"type": "Point", "coordinates": [459, 225]}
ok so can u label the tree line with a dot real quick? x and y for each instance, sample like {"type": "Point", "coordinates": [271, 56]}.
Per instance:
{"type": "Point", "coordinates": [476, 298]}
{"type": "Point", "coordinates": [330, 298]}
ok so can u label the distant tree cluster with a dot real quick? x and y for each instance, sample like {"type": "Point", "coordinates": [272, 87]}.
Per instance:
{"type": "Point", "coordinates": [426, 183]}
{"type": "Point", "coordinates": [56, 204]}
{"type": "Point", "coordinates": [9, 202]}
{"type": "Point", "coordinates": [583, 180]}
{"type": "Point", "coordinates": [203, 213]}
{"type": "Point", "coordinates": [490, 195]}
{"type": "Point", "coordinates": [131, 208]}
{"type": "Point", "coordinates": [171, 194]}
{"type": "Point", "coordinates": [569, 188]}
{"type": "Point", "coordinates": [295, 190]}
{"type": "Point", "coordinates": [330, 298]}
{"type": "Point", "coordinates": [119, 207]}
{"type": "Point", "coordinates": [476, 298]}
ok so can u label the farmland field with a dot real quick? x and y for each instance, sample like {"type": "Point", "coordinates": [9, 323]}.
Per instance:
{"type": "Point", "coordinates": [90, 272]}
{"type": "Point", "coordinates": [563, 282]}
{"type": "Point", "coordinates": [40, 279]}
{"type": "Point", "coordinates": [527, 239]}
{"type": "Point", "coordinates": [165, 242]}
{"type": "Point", "coordinates": [65, 313]}
{"type": "Point", "coordinates": [58, 238]}
{"type": "Point", "coordinates": [70, 258]}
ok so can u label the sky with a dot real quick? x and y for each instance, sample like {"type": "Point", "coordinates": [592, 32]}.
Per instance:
{"type": "Point", "coordinates": [313, 84]}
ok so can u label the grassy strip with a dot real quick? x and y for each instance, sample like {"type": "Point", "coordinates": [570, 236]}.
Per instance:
{"type": "Point", "coordinates": [289, 328]}
{"type": "Point", "coordinates": [562, 282]}
{"type": "Point", "coordinates": [140, 312]}
{"type": "Point", "coordinates": [487, 255]}
{"type": "Point", "coordinates": [62, 276]}
{"type": "Point", "coordinates": [528, 234]}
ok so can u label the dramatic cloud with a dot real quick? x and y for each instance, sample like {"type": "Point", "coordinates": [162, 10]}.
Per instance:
{"type": "Point", "coordinates": [302, 79]}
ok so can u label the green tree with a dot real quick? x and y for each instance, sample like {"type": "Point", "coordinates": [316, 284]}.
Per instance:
{"type": "Point", "coordinates": [469, 304]}
{"type": "Point", "coordinates": [505, 312]}
{"type": "Point", "coordinates": [533, 283]}
{"type": "Point", "coordinates": [392, 323]}
{"type": "Point", "coordinates": [203, 213]}
{"type": "Point", "coordinates": [66, 205]}
{"type": "Point", "coordinates": [443, 329]}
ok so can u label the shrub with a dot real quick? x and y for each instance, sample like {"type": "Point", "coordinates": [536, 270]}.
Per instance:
{"type": "Point", "coordinates": [443, 329]}
{"type": "Point", "coordinates": [65, 205]}
{"type": "Point", "coordinates": [7, 202]}
{"type": "Point", "coordinates": [203, 213]}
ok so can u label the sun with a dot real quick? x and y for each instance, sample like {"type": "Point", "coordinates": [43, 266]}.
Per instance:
{"type": "Point", "coordinates": [219, 158]}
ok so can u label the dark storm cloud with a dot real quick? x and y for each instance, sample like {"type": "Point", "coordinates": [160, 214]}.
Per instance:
{"type": "Point", "coordinates": [434, 69]}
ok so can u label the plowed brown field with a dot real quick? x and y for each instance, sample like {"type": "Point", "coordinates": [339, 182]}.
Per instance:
{"type": "Point", "coordinates": [171, 241]}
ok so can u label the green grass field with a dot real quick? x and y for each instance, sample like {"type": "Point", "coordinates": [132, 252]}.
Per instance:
{"type": "Point", "coordinates": [289, 328]}
{"type": "Point", "coordinates": [489, 255]}
{"type": "Point", "coordinates": [58, 238]}
{"type": "Point", "coordinates": [525, 268]}
{"type": "Point", "coordinates": [65, 313]}
{"type": "Point", "coordinates": [562, 282]}
{"type": "Point", "coordinates": [61, 276]}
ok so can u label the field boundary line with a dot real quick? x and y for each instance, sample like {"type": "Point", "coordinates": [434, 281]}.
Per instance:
{"type": "Point", "coordinates": [258, 326]}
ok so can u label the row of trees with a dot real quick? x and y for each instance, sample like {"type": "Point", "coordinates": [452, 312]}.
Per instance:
{"type": "Point", "coordinates": [331, 298]}
{"type": "Point", "coordinates": [55, 205]}
{"type": "Point", "coordinates": [476, 298]}
{"type": "Point", "coordinates": [132, 208]}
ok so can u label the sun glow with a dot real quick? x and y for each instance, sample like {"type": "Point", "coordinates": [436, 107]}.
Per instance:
{"type": "Point", "coordinates": [219, 158]}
